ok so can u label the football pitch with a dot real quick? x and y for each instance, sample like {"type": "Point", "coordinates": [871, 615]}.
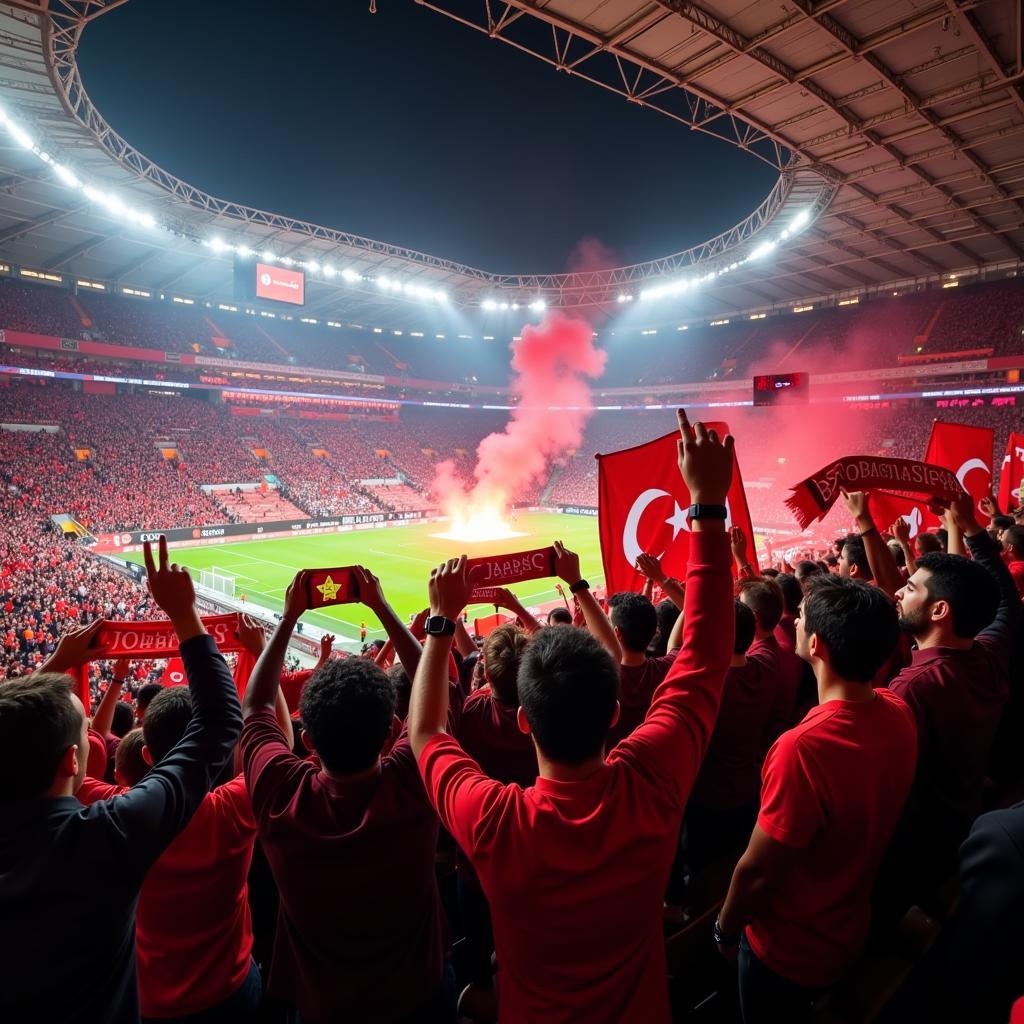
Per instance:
{"type": "Point", "coordinates": [402, 558]}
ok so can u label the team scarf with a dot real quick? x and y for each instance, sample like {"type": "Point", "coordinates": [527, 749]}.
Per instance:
{"type": "Point", "coordinates": [156, 639]}
{"type": "Point", "coordinates": [812, 498]}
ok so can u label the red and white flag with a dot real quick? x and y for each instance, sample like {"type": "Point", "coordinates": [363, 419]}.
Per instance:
{"type": "Point", "coordinates": [967, 451]}
{"type": "Point", "coordinates": [174, 674]}
{"type": "Point", "coordinates": [642, 504]}
{"type": "Point", "coordinates": [1012, 475]}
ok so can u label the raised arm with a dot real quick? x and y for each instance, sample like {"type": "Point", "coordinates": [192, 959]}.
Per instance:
{"type": "Point", "coordinates": [450, 585]}
{"type": "Point", "coordinates": [567, 566]}
{"type": "Point", "coordinates": [1007, 624]}
{"type": "Point", "coordinates": [670, 743]}
{"type": "Point", "coordinates": [509, 601]}
{"type": "Point", "coordinates": [104, 717]}
{"type": "Point", "coordinates": [152, 813]}
{"type": "Point", "coordinates": [741, 554]}
{"type": "Point", "coordinates": [407, 647]}
{"type": "Point", "coordinates": [650, 567]}
{"type": "Point", "coordinates": [883, 565]}
{"type": "Point", "coordinates": [901, 531]}
{"type": "Point", "coordinates": [251, 635]}
{"type": "Point", "coordinates": [73, 649]}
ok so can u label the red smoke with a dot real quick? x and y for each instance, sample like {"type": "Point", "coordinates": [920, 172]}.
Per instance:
{"type": "Point", "coordinates": [551, 364]}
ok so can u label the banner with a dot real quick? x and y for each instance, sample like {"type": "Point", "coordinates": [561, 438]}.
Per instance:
{"type": "Point", "coordinates": [967, 452]}
{"type": "Point", "coordinates": [497, 571]}
{"type": "Point", "coordinates": [813, 497]}
{"type": "Point", "coordinates": [1012, 474]}
{"type": "Point", "coordinates": [157, 639]}
{"type": "Point", "coordinates": [174, 674]}
{"type": "Point", "coordinates": [642, 504]}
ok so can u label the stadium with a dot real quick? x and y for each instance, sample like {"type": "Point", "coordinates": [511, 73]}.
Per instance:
{"type": "Point", "coordinates": [272, 395]}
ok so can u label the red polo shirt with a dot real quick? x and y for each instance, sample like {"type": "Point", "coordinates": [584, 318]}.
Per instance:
{"type": "Point", "coordinates": [193, 933]}
{"type": "Point", "coordinates": [786, 669]}
{"type": "Point", "coordinates": [834, 788]}
{"type": "Point", "coordinates": [359, 931]}
{"type": "Point", "coordinates": [575, 872]}
{"type": "Point", "coordinates": [637, 684]}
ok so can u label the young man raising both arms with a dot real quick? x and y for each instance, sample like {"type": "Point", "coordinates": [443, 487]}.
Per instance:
{"type": "Point", "coordinates": [832, 792]}
{"type": "Point", "coordinates": [61, 959]}
{"type": "Point", "coordinates": [350, 840]}
{"type": "Point", "coordinates": [575, 867]}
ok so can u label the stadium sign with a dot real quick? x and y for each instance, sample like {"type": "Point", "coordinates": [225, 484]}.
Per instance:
{"type": "Point", "coordinates": [577, 510]}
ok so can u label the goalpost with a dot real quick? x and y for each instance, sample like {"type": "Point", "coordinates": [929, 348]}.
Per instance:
{"type": "Point", "coordinates": [216, 580]}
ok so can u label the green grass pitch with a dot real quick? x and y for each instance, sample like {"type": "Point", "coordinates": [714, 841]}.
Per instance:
{"type": "Point", "coordinates": [401, 557]}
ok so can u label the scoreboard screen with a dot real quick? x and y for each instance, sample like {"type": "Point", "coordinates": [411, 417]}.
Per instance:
{"type": "Point", "coordinates": [267, 281]}
{"type": "Point", "coordinates": [781, 389]}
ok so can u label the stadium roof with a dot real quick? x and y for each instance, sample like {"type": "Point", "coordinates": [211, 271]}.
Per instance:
{"type": "Point", "coordinates": [897, 129]}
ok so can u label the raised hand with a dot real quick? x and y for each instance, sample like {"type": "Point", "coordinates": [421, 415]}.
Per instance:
{"type": "Point", "coordinates": [567, 564]}
{"type": "Point", "coordinates": [296, 600]}
{"type": "Point", "coordinates": [857, 503]}
{"type": "Point", "coordinates": [650, 567]}
{"type": "Point", "coordinates": [251, 636]}
{"type": "Point", "coordinates": [961, 514]}
{"type": "Point", "coordinates": [988, 506]}
{"type": "Point", "coordinates": [326, 645]}
{"type": "Point", "coordinates": [451, 584]}
{"type": "Point", "coordinates": [170, 584]}
{"type": "Point", "coordinates": [370, 591]}
{"type": "Point", "coordinates": [120, 670]}
{"type": "Point", "coordinates": [901, 530]}
{"type": "Point", "coordinates": [74, 648]}
{"type": "Point", "coordinates": [705, 461]}
{"type": "Point", "coordinates": [738, 543]}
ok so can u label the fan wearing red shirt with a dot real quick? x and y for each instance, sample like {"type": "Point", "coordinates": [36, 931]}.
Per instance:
{"type": "Point", "coordinates": [489, 733]}
{"type": "Point", "coordinates": [350, 837]}
{"type": "Point", "coordinates": [575, 866]}
{"type": "Point", "coordinates": [832, 792]}
{"type": "Point", "coordinates": [193, 933]}
{"type": "Point", "coordinates": [1013, 553]}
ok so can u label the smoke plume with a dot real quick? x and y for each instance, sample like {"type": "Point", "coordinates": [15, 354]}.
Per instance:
{"type": "Point", "coordinates": [551, 365]}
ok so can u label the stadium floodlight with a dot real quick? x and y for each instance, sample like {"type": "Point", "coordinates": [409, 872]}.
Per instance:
{"type": "Point", "coordinates": [763, 250]}
{"type": "Point", "coordinates": [351, 275]}
{"type": "Point", "coordinates": [538, 305]}
{"type": "Point", "coordinates": [312, 266]}
{"type": "Point", "coordinates": [287, 261]}
{"type": "Point", "coordinates": [267, 256]}
{"type": "Point", "coordinates": [219, 245]}
{"type": "Point", "coordinates": [329, 271]}
{"type": "Point", "coordinates": [245, 252]}
{"type": "Point", "coordinates": [383, 282]}
{"type": "Point", "coordinates": [503, 306]}
{"type": "Point", "coordinates": [799, 221]}
{"type": "Point", "coordinates": [20, 136]}
{"type": "Point", "coordinates": [440, 295]}
{"type": "Point", "coordinates": [489, 304]}
{"type": "Point", "coordinates": [515, 305]}
{"type": "Point", "coordinates": [625, 297]}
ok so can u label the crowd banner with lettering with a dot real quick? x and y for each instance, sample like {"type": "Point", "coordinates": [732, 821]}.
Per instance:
{"type": "Point", "coordinates": [156, 639]}
{"type": "Point", "coordinates": [494, 572]}
{"type": "Point", "coordinates": [813, 497]}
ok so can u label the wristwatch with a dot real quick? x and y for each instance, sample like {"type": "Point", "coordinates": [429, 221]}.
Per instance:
{"type": "Point", "coordinates": [720, 939]}
{"type": "Point", "coordinates": [579, 585]}
{"type": "Point", "coordinates": [698, 511]}
{"type": "Point", "coordinates": [438, 625]}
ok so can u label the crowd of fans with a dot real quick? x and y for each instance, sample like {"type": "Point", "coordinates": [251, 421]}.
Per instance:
{"type": "Point", "coordinates": [753, 794]}
{"type": "Point", "coordinates": [870, 334]}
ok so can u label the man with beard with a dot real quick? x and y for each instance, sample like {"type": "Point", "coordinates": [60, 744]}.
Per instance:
{"type": "Point", "coordinates": [962, 615]}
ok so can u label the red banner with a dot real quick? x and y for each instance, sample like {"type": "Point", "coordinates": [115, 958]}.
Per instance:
{"type": "Point", "coordinates": [1012, 474]}
{"type": "Point", "coordinates": [497, 571]}
{"type": "Point", "coordinates": [156, 639]}
{"type": "Point", "coordinates": [642, 503]}
{"type": "Point", "coordinates": [967, 453]}
{"type": "Point", "coordinates": [331, 586]}
{"type": "Point", "coordinates": [174, 674]}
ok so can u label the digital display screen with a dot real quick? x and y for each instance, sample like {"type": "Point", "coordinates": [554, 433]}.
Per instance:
{"type": "Point", "coordinates": [279, 284]}
{"type": "Point", "coordinates": [781, 389]}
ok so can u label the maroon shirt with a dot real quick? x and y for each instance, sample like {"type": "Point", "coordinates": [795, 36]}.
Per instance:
{"type": "Point", "coordinates": [785, 633]}
{"type": "Point", "coordinates": [359, 932]}
{"type": "Point", "coordinates": [637, 684]}
{"type": "Point", "coordinates": [488, 732]}
{"type": "Point", "coordinates": [730, 775]}
{"type": "Point", "coordinates": [786, 669]}
{"type": "Point", "coordinates": [957, 697]}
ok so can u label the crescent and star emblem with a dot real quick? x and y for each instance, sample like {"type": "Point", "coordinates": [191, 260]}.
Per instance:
{"type": "Point", "coordinates": [631, 548]}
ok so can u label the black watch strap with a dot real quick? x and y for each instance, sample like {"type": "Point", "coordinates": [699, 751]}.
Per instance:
{"type": "Point", "coordinates": [438, 625]}
{"type": "Point", "coordinates": [579, 585]}
{"type": "Point", "coordinates": [699, 511]}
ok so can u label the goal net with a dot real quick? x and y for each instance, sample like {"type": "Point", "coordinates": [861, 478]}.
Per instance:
{"type": "Point", "coordinates": [217, 581]}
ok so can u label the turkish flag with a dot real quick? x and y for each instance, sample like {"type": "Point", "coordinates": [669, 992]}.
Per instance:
{"type": "Point", "coordinates": [967, 451]}
{"type": "Point", "coordinates": [1013, 473]}
{"type": "Point", "coordinates": [174, 674]}
{"type": "Point", "coordinates": [642, 503]}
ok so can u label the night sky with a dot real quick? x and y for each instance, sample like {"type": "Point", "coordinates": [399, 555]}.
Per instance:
{"type": "Point", "coordinates": [407, 127]}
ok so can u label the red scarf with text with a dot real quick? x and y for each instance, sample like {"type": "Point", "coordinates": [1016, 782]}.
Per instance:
{"type": "Point", "coordinates": [156, 639]}
{"type": "Point", "coordinates": [812, 498]}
